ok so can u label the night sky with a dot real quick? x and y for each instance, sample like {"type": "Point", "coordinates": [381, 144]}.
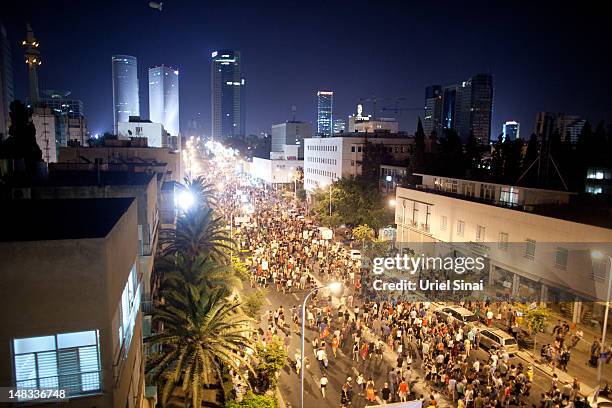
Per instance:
{"type": "Point", "coordinates": [548, 56]}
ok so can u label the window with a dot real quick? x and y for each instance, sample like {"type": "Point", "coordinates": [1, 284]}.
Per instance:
{"type": "Point", "coordinates": [353, 149]}
{"type": "Point", "coordinates": [359, 149]}
{"type": "Point", "coordinates": [503, 241]}
{"type": "Point", "coordinates": [599, 270]}
{"type": "Point", "coordinates": [480, 233]}
{"type": "Point", "coordinates": [530, 248]}
{"type": "Point", "coordinates": [443, 221]}
{"type": "Point", "coordinates": [460, 228]}
{"type": "Point", "coordinates": [509, 196]}
{"type": "Point", "coordinates": [561, 258]}
{"type": "Point", "coordinates": [128, 309]}
{"type": "Point", "coordinates": [69, 361]}
{"type": "Point", "coordinates": [487, 191]}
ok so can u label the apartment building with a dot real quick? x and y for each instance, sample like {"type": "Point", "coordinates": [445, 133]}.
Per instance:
{"type": "Point", "coordinates": [537, 246]}
{"type": "Point", "coordinates": [71, 289]}
{"type": "Point", "coordinates": [331, 158]}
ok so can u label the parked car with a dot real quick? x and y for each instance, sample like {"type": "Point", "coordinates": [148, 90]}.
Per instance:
{"type": "Point", "coordinates": [495, 339]}
{"type": "Point", "coordinates": [460, 314]}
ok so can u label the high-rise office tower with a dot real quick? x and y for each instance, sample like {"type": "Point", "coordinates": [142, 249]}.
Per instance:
{"type": "Point", "coordinates": [481, 107]}
{"type": "Point", "coordinates": [549, 123]}
{"type": "Point", "coordinates": [433, 110]}
{"type": "Point", "coordinates": [339, 126]}
{"type": "Point", "coordinates": [511, 129]}
{"type": "Point", "coordinates": [164, 97]}
{"type": "Point", "coordinates": [449, 103]}
{"type": "Point", "coordinates": [467, 107]}
{"type": "Point", "coordinates": [6, 82]}
{"type": "Point", "coordinates": [228, 95]}
{"type": "Point", "coordinates": [126, 101]}
{"type": "Point", "coordinates": [33, 60]}
{"type": "Point", "coordinates": [325, 103]}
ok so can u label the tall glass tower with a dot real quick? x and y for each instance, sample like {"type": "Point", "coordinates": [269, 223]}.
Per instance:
{"type": "Point", "coordinates": [164, 97]}
{"type": "Point", "coordinates": [228, 88]}
{"type": "Point", "coordinates": [325, 122]}
{"type": "Point", "coordinates": [125, 89]}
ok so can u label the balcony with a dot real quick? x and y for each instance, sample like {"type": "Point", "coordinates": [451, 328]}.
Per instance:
{"type": "Point", "coordinates": [424, 227]}
{"type": "Point", "coordinates": [75, 384]}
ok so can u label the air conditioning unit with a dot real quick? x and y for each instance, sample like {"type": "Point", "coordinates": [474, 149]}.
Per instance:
{"type": "Point", "coordinates": [21, 193]}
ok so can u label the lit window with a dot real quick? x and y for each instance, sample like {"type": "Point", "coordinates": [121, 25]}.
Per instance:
{"type": "Point", "coordinates": [69, 361]}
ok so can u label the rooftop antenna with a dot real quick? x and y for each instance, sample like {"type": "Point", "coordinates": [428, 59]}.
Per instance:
{"type": "Point", "coordinates": [293, 110]}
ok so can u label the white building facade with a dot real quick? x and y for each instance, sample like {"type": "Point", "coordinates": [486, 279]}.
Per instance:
{"type": "Point", "coordinates": [331, 158]}
{"type": "Point", "coordinates": [154, 132]}
{"type": "Point", "coordinates": [45, 123]}
{"type": "Point", "coordinates": [529, 254]}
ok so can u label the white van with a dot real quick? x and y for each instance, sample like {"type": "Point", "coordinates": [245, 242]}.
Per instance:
{"type": "Point", "coordinates": [495, 339]}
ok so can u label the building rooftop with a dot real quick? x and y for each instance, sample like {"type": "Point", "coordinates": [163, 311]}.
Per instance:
{"type": "Point", "coordinates": [46, 220]}
{"type": "Point", "coordinates": [69, 178]}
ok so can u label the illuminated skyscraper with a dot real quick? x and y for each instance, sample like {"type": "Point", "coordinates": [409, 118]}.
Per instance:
{"type": "Point", "coordinates": [325, 101]}
{"type": "Point", "coordinates": [125, 89]}
{"type": "Point", "coordinates": [511, 130]}
{"type": "Point", "coordinates": [6, 82]}
{"type": "Point", "coordinates": [433, 110]}
{"type": "Point", "coordinates": [466, 107]}
{"type": "Point", "coordinates": [228, 113]}
{"type": "Point", "coordinates": [164, 97]}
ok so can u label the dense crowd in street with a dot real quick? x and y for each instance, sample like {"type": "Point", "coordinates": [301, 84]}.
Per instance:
{"type": "Point", "coordinates": [288, 254]}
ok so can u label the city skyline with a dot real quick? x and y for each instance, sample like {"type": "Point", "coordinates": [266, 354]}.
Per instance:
{"type": "Point", "coordinates": [520, 93]}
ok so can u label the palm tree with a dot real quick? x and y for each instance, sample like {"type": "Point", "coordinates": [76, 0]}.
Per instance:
{"type": "Point", "coordinates": [204, 193]}
{"type": "Point", "coordinates": [176, 270]}
{"type": "Point", "coordinates": [198, 233]}
{"type": "Point", "coordinates": [203, 335]}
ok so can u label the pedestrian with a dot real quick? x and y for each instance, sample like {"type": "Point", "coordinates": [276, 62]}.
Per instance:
{"type": "Point", "coordinates": [323, 383]}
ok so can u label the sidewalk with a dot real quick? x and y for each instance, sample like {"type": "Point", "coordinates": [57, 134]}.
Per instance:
{"type": "Point", "coordinates": [562, 375]}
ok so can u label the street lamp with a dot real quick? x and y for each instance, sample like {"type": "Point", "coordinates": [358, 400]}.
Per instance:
{"type": "Point", "coordinates": [334, 287]}
{"type": "Point", "coordinates": [185, 200]}
{"type": "Point", "coordinates": [391, 203]}
{"type": "Point", "coordinates": [601, 256]}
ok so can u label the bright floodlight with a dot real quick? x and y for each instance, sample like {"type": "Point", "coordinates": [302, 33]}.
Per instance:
{"type": "Point", "coordinates": [597, 255]}
{"type": "Point", "coordinates": [185, 200]}
{"type": "Point", "coordinates": [335, 287]}
{"type": "Point", "coordinates": [392, 203]}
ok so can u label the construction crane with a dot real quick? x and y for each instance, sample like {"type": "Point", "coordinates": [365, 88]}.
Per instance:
{"type": "Point", "coordinates": [374, 100]}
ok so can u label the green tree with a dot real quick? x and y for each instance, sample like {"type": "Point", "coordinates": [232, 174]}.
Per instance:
{"type": "Point", "coordinates": [363, 233]}
{"type": "Point", "coordinates": [198, 232]}
{"type": "Point", "coordinates": [204, 194]}
{"type": "Point", "coordinates": [21, 143]}
{"type": "Point", "coordinates": [272, 357]}
{"type": "Point", "coordinates": [251, 400]}
{"type": "Point", "coordinates": [355, 201]}
{"type": "Point", "coordinates": [536, 319]}
{"type": "Point", "coordinates": [175, 271]}
{"type": "Point", "coordinates": [472, 154]}
{"type": "Point", "coordinates": [203, 335]}
{"type": "Point", "coordinates": [253, 303]}
{"type": "Point", "coordinates": [419, 148]}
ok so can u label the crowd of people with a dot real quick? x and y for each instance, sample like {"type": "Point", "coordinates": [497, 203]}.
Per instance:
{"type": "Point", "coordinates": [288, 254]}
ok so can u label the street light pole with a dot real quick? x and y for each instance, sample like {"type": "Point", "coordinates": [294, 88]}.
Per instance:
{"type": "Point", "coordinates": [330, 202]}
{"type": "Point", "coordinates": [605, 323]}
{"type": "Point", "coordinates": [332, 286]}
